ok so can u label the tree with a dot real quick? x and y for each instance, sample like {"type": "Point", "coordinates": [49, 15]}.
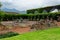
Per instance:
{"type": "Point", "coordinates": [0, 12]}
{"type": "Point", "coordinates": [0, 4]}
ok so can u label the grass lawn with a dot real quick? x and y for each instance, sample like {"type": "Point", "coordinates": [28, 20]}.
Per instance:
{"type": "Point", "coordinates": [50, 34]}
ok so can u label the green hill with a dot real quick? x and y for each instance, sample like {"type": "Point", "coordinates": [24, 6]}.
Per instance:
{"type": "Point", "coordinates": [50, 34]}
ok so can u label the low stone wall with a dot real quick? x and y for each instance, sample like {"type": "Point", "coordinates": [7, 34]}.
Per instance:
{"type": "Point", "coordinates": [25, 27]}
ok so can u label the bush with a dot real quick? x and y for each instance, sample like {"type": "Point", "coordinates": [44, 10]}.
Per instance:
{"type": "Point", "coordinates": [10, 17]}
{"type": "Point", "coordinates": [9, 34]}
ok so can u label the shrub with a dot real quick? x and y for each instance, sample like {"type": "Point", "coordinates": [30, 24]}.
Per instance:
{"type": "Point", "coordinates": [9, 34]}
{"type": "Point", "coordinates": [4, 17]}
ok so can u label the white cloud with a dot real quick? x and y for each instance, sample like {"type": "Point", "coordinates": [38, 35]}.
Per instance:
{"type": "Point", "coordinates": [28, 4]}
{"type": "Point", "coordinates": [6, 0]}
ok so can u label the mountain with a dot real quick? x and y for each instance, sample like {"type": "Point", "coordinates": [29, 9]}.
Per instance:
{"type": "Point", "coordinates": [23, 12]}
{"type": "Point", "coordinates": [13, 10]}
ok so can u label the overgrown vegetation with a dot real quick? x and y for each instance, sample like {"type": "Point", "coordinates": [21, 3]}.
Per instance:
{"type": "Point", "coordinates": [47, 9]}
{"type": "Point", "coordinates": [4, 16]}
{"type": "Point", "coordinates": [9, 34]}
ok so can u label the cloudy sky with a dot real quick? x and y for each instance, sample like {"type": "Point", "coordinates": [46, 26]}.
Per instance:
{"type": "Point", "coordinates": [27, 4]}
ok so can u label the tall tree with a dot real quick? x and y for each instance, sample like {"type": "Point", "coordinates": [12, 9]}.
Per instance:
{"type": "Point", "coordinates": [0, 12]}
{"type": "Point", "coordinates": [0, 4]}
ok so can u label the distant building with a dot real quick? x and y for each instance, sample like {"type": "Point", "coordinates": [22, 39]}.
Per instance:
{"type": "Point", "coordinates": [49, 9]}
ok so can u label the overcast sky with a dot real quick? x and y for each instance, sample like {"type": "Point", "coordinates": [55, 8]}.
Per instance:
{"type": "Point", "coordinates": [27, 4]}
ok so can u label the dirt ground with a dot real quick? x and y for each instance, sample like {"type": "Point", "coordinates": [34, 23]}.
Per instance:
{"type": "Point", "coordinates": [58, 23]}
{"type": "Point", "coordinates": [20, 28]}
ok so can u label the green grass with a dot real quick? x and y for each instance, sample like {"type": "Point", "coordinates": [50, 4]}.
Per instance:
{"type": "Point", "coordinates": [50, 34]}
